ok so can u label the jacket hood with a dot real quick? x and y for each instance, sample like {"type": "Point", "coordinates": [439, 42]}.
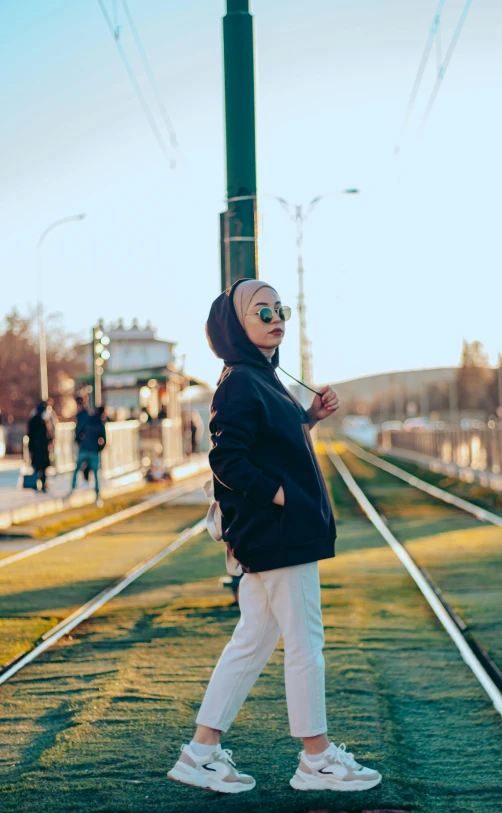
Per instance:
{"type": "Point", "coordinates": [227, 338]}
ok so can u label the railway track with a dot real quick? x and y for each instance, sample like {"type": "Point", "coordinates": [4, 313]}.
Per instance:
{"type": "Point", "coordinates": [95, 721]}
{"type": "Point", "coordinates": [169, 495]}
{"type": "Point", "coordinates": [473, 653]}
{"type": "Point", "coordinates": [86, 560]}
{"type": "Point", "coordinates": [90, 607]}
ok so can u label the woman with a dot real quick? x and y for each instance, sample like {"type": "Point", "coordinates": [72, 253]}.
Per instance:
{"type": "Point", "coordinates": [40, 438]}
{"type": "Point", "coordinates": [277, 522]}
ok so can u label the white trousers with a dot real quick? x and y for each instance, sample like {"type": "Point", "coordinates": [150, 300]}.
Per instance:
{"type": "Point", "coordinates": [285, 601]}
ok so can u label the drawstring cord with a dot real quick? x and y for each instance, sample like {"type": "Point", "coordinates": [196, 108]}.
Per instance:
{"type": "Point", "coordinates": [300, 382]}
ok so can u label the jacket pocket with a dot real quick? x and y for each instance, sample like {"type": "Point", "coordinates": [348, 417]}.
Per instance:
{"type": "Point", "coordinates": [302, 521]}
{"type": "Point", "coordinates": [247, 529]}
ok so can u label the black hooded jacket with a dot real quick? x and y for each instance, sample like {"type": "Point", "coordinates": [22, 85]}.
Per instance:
{"type": "Point", "coordinates": [261, 441]}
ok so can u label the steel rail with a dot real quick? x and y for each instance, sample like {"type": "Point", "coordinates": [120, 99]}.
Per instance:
{"type": "Point", "coordinates": [430, 592]}
{"type": "Point", "coordinates": [99, 524]}
{"type": "Point", "coordinates": [434, 491]}
{"type": "Point", "coordinates": [90, 607]}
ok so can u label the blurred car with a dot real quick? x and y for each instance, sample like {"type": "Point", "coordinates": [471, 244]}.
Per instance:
{"type": "Point", "coordinates": [471, 423]}
{"type": "Point", "coordinates": [391, 426]}
{"type": "Point", "coordinates": [415, 423]}
{"type": "Point", "coordinates": [360, 429]}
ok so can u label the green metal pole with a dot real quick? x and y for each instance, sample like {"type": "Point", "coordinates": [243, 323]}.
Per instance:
{"type": "Point", "coordinates": [238, 225]}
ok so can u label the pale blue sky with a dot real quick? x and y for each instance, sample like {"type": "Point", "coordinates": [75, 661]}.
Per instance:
{"type": "Point", "coordinates": [394, 277]}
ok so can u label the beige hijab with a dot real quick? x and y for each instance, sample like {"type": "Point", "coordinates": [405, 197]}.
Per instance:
{"type": "Point", "coordinates": [243, 296]}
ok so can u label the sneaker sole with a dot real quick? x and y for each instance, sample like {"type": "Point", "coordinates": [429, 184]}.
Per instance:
{"type": "Point", "coordinates": [208, 784]}
{"type": "Point", "coordinates": [322, 784]}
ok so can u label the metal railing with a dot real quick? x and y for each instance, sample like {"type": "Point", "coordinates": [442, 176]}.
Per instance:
{"type": "Point", "coordinates": [120, 456]}
{"type": "Point", "coordinates": [172, 442]}
{"type": "Point", "coordinates": [477, 453]}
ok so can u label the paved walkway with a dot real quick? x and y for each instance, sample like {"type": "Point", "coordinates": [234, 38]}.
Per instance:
{"type": "Point", "coordinates": [21, 505]}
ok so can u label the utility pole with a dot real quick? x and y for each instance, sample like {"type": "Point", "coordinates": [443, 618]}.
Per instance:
{"type": "Point", "coordinates": [238, 225]}
{"type": "Point", "coordinates": [499, 386]}
{"type": "Point", "coordinates": [453, 400]}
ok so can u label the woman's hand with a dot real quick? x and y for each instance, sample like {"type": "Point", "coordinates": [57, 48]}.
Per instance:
{"type": "Point", "coordinates": [323, 405]}
{"type": "Point", "coordinates": [279, 497]}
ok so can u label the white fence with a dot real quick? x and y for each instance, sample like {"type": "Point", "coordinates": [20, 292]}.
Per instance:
{"type": "Point", "coordinates": [172, 430]}
{"type": "Point", "coordinates": [473, 454]}
{"type": "Point", "coordinates": [3, 441]}
{"type": "Point", "coordinates": [121, 454]}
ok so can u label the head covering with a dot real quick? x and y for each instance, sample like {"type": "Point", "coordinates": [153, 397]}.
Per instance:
{"type": "Point", "coordinates": [243, 296]}
{"type": "Point", "coordinates": [225, 332]}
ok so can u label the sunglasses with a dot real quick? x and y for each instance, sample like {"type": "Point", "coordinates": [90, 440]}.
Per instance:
{"type": "Point", "coordinates": [267, 314]}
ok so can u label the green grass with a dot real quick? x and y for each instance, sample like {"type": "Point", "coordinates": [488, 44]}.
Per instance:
{"type": "Point", "coordinates": [484, 497]}
{"type": "Point", "coordinates": [39, 591]}
{"type": "Point", "coordinates": [95, 723]}
{"type": "Point", "coordinates": [461, 554]}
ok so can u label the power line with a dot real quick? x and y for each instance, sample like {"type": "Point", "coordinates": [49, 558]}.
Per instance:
{"type": "Point", "coordinates": [139, 93]}
{"type": "Point", "coordinates": [446, 62]}
{"type": "Point", "coordinates": [151, 78]}
{"type": "Point", "coordinates": [434, 29]}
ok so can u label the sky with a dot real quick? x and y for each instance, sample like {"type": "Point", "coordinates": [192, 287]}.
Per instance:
{"type": "Point", "coordinates": [395, 277]}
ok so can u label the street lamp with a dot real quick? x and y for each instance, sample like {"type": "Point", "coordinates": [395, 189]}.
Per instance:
{"type": "Point", "coordinates": [299, 216]}
{"type": "Point", "coordinates": [42, 344]}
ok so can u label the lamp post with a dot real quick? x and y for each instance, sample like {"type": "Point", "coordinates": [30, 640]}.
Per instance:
{"type": "Point", "coordinates": [42, 344]}
{"type": "Point", "coordinates": [300, 214]}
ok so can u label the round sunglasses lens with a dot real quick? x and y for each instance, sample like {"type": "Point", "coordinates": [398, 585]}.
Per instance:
{"type": "Point", "coordinates": [284, 313]}
{"type": "Point", "coordinates": [266, 315]}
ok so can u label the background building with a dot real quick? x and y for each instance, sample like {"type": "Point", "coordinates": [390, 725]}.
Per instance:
{"type": "Point", "coordinates": [136, 374]}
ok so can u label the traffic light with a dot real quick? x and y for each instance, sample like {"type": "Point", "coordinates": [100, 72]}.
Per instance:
{"type": "Point", "coordinates": [101, 354]}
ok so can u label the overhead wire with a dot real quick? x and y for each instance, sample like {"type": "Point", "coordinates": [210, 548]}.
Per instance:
{"type": "Point", "coordinates": [446, 62]}
{"type": "Point", "coordinates": [439, 58]}
{"type": "Point", "coordinates": [434, 29]}
{"type": "Point", "coordinates": [150, 75]}
{"type": "Point", "coordinates": [139, 93]}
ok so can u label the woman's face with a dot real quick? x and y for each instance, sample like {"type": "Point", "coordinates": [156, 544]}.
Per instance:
{"type": "Point", "coordinates": [266, 336]}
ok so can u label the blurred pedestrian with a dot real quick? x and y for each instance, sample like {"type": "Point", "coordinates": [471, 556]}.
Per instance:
{"type": "Point", "coordinates": [40, 439]}
{"type": "Point", "coordinates": [196, 430]}
{"type": "Point", "coordinates": [92, 441]}
{"type": "Point", "coordinates": [81, 418]}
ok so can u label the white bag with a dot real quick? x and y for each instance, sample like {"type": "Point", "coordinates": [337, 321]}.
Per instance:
{"type": "Point", "coordinates": [215, 530]}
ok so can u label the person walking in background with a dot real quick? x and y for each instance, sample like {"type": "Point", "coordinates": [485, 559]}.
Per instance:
{"type": "Point", "coordinates": [40, 439]}
{"type": "Point", "coordinates": [196, 430]}
{"type": "Point", "coordinates": [277, 522]}
{"type": "Point", "coordinates": [81, 418]}
{"type": "Point", "coordinates": [91, 440]}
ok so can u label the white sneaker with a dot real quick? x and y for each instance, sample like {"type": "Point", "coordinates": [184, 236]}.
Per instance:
{"type": "Point", "coordinates": [338, 770]}
{"type": "Point", "coordinates": [215, 771]}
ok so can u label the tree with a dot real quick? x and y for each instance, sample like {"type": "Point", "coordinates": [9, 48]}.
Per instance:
{"type": "Point", "coordinates": [475, 379]}
{"type": "Point", "coordinates": [19, 364]}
